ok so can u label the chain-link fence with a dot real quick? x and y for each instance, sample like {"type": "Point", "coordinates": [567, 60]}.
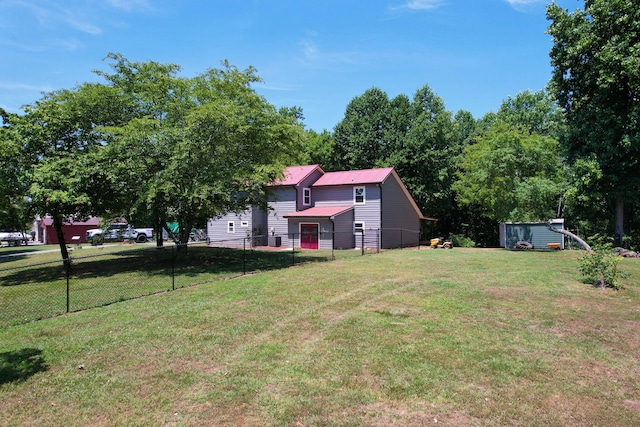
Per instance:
{"type": "Point", "coordinates": [316, 237]}
{"type": "Point", "coordinates": [40, 290]}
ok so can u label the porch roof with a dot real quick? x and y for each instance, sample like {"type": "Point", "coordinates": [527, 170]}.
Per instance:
{"type": "Point", "coordinates": [320, 212]}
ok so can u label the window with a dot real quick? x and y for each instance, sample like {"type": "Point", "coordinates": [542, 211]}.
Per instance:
{"type": "Point", "coordinates": [359, 195]}
{"type": "Point", "coordinates": [306, 197]}
{"type": "Point", "coordinates": [231, 227]}
{"type": "Point", "coordinates": [358, 227]}
{"type": "Point", "coordinates": [244, 224]}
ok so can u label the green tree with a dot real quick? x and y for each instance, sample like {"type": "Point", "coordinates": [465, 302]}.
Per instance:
{"type": "Point", "coordinates": [425, 157]}
{"type": "Point", "coordinates": [14, 207]}
{"type": "Point", "coordinates": [198, 147]}
{"type": "Point", "coordinates": [318, 149]}
{"type": "Point", "coordinates": [512, 175]}
{"type": "Point", "coordinates": [596, 80]}
{"type": "Point", "coordinates": [58, 136]}
{"type": "Point", "coordinates": [361, 136]}
{"type": "Point", "coordinates": [535, 112]}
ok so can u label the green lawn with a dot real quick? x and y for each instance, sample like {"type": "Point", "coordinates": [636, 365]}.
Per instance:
{"type": "Point", "coordinates": [34, 285]}
{"type": "Point", "coordinates": [461, 337]}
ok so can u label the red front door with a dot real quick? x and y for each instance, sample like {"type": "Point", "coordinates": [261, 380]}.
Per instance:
{"type": "Point", "coordinates": [309, 236]}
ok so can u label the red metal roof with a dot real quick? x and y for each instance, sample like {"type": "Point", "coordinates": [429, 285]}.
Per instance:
{"type": "Point", "coordinates": [366, 176]}
{"type": "Point", "coordinates": [293, 175]}
{"type": "Point", "coordinates": [319, 212]}
{"type": "Point", "coordinates": [94, 221]}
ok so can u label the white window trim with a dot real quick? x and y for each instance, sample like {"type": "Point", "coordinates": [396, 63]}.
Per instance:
{"type": "Point", "coordinates": [306, 194]}
{"type": "Point", "coordinates": [231, 227]}
{"type": "Point", "coordinates": [364, 195]}
{"type": "Point", "coordinates": [244, 224]}
{"type": "Point", "coordinates": [358, 230]}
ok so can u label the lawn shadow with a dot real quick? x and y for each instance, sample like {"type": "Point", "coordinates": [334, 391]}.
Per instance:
{"type": "Point", "coordinates": [153, 262]}
{"type": "Point", "coordinates": [21, 364]}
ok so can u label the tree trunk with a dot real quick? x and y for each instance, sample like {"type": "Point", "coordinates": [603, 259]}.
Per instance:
{"type": "Point", "coordinates": [57, 225]}
{"type": "Point", "coordinates": [617, 240]}
{"type": "Point", "coordinates": [570, 234]}
{"type": "Point", "coordinates": [159, 230]}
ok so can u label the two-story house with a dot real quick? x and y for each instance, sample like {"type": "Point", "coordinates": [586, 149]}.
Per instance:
{"type": "Point", "coordinates": [313, 209]}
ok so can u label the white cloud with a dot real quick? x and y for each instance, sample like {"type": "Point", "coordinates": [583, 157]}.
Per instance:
{"type": "Point", "coordinates": [129, 5]}
{"type": "Point", "coordinates": [422, 4]}
{"type": "Point", "coordinates": [85, 27]}
{"type": "Point", "coordinates": [524, 4]}
{"type": "Point", "coordinates": [23, 87]}
{"type": "Point", "coordinates": [309, 49]}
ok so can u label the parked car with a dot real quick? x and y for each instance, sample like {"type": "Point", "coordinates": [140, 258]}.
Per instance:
{"type": "Point", "coordinates": [13, 238]}
{"type": "Point", "coordinates": [118, 232]}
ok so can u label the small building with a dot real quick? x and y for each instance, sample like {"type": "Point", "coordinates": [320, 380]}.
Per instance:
{"type": "Point", "coordinates": [69, 229]}
{"type": "Point", "coordinates": [536, 233]}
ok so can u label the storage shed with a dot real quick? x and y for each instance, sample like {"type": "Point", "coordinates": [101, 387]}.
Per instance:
{"type": "Point", "coordinates": [70, 228]}
{"type": "Point", "coordinates": [536, 233]}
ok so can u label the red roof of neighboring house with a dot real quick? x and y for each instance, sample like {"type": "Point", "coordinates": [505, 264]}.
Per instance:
{"type": "Point", "coordinates": [319, 212]}
{"type": "Point", "coordinates": [48, 221]}
{"type": "Point", "coordinates": [293, 175]}
{"type": "Point", "coordinates": [366, 176]}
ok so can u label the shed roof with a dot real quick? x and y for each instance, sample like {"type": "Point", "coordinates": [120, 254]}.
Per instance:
{"type": "Point", "coordinates": [320, 212]}
{"type": "Point", "coordinates": [93, 221]}
{"type": "Point", "coordinates": [294, 175]}
{"type": "Point", "coordinates": [365, 176]}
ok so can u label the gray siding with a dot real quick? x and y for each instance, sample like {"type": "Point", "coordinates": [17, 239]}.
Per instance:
{"type": "Point", "coordinates": [369, 213]}
{"type": "Point", "coordinates": [282, 202]}
{"type": "Point", "coordinates": [342, 195]}
{"type": "Point", "coordinates": [218, 233]}
{"type": "Point", "coordinates": [306, 183]}
{"type": "Point", "coordinates": [535, 233]}
{"type": "Point", "coordinates": [343, 232]}
{"type": "Point", "coordinates": [259, 227]}
{"type": "Point", "coordinates": [400, 221]}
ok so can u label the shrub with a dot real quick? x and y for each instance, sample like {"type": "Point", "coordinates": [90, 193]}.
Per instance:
{"type": "Point", "coordinates": [461, 241]}
{"type": "Point", "coordinates": [600, 267]}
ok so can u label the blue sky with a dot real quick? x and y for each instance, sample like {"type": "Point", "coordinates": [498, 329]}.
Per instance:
{"type": "Point", "coordinates": [315, 54]}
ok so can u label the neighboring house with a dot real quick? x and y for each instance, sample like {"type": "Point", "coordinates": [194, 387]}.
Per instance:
{"type": "Point", "coordinates": [313, 209]}
{"type": "Point", "coordinates": [71, 228]}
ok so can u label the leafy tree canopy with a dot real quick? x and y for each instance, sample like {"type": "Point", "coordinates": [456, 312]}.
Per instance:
{"type": "Point", "coordinates": [596, 80]}
{"type": "Point", "coordinates": [197, 147]}
{"type": "Point", "coordinates": [512, 175]}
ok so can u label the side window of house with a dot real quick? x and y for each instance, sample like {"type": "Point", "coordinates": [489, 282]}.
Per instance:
{"type": "Point", "coordinates": [231, 227]}
{"type": "Point", "coordinates": [359, 197]}
{"type": "Point", "coordinates": [306, 196]}
{"type": "Point", "coordinates": [358, 227]}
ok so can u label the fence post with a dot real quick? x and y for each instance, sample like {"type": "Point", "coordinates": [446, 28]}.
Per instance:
{"type": "Point", "coordinates": [378, 240]}
{"type": "Point", "coordinates": [293, 248]}
{"type": "Point", "coordinates": [244, 256]}
{"type": "Point", "coordinates": [362, 242]}
{"type": "Point", "coordinates": [67, 273]}
{"type": "Point", "coordinates": [173, 268]}
{"type": "Point", "coordinates": [401, 243]}
{"type": "Point", "coordinates": [333, 244]}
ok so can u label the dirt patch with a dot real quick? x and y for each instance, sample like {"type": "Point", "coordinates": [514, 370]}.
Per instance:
{"type": "Point", "coordinates": [383, 414]}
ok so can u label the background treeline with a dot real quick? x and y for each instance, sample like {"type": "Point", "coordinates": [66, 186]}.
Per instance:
{"type": "Point", "coordinates": [469, 174]}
